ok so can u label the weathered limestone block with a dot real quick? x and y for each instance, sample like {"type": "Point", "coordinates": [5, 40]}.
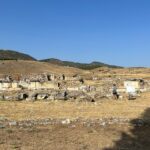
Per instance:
{"type": "Point", "coordinates": [41, 85]}
{"type": "Point", "coordinates": [74, 94]}
{"type": "Point", "coordinates": [84, 88]}
{"type": "Point", "coordinates": [23, 85]}
{"type": "Point", "coordinates": [61, 96]}
{"type": "Point", "coordinates": [6, 85]}
{"type": "Point", "coordinates": [51, 97]}
{"type": "Point", "coordinates": [32, 96]}
{"type": "Point", "coordinates": [73, 88]}
{"type": "Point", "coordinates": [69, 78]}
{"type": "Point", "coordinates": [15, 85]}
{"type": "Point", "coordinates": [49, 85]}
{"type": "Point", "coordinates": [52, 77]}
{"type": "Point", "coordinates": [62, 77]}
{"type": "Point", "coordinates": [1, 86]}
{"type": "Point", "coordinates": [10, 97]}
{"type": "Point", "coordinates": [42, 96]}
{"type": "Point", "coordinates": [23, 96]}
{"type": "Point", "coordinates": [34, 85]}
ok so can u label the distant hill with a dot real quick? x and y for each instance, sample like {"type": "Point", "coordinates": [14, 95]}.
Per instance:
{"type": "Point", "coordinates": [13, 55]}
{"type": "Point", "coordinates": [34, 67]}
{"type": "Point", "coordinates": [85, 66]}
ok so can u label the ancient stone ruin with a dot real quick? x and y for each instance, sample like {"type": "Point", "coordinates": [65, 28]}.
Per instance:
{"type": "Point", "coordinates": [62, 87]}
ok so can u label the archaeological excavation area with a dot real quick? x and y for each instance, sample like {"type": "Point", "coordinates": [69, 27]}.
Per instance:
{"type": "Point", "coordinates": [75, 108]}
{"type": "Point", "coordinates": [90, 86]}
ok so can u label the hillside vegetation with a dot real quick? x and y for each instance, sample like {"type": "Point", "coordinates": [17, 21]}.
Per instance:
{"type": "Point", "coordinates": [85, 66]}
{"type": "Point", "coordinates": [14, 55]}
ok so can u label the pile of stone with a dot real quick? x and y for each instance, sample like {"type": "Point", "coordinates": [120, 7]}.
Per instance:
{"type": "Point", "coordinates": [103, 122]}
{"type": "Point", "coordinates": [46, 95]}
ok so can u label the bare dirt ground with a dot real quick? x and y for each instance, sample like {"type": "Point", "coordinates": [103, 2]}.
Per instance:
{"type": "Point", "coordinates": [77, 135]}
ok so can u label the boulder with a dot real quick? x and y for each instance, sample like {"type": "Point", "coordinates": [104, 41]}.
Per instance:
{"type": "Point", "coordinates": [32, 97]}
{"type": "Point", "coordinates": [23, 96]}
{"type": "Point", "coordinates": [13, 123]}
{"type": "Point", "coordinates": [42, 96]}
{"type": "Point", "coordinates": [74, 94]}
{"type": "Point", "coordinates": [60, 96]}
{"type": "Point", "coordinates": [10, 98]}
{"type": "Point", "coordinates": [66, 122]}
{"type": "Point", "coordinates": [51, 97]}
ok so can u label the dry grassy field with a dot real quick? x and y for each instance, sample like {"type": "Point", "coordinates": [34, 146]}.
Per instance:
{"type": "Point", "coordinates": [76, 136]}
{"type": "Point", "coordinates": [34, 67]}
{"type": "Point", "coordinates": [105, 108]}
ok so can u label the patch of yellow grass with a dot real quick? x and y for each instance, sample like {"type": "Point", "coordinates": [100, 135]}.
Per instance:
{"type": "Point", "coordinates": [61, 109]}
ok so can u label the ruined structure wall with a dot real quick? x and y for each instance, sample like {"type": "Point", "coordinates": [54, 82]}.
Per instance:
{"type": "Point", "coordinates": [134, 84]}
{"type": "Point", "coordinates": [49, 85]}
{"type": "Point", "coordinates": [15, 85]}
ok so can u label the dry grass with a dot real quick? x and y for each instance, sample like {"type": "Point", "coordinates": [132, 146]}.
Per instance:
{"type": "Point", "coordinates": [125, 72]}
{"type": "Point", "coordinates": [26, 67]}
{"type": "Point", "coordinates": [60, 109]}
{"type": "Point", "coordinates": [76, 136]}
{"type": "Point", "coordinates": [60, 137]}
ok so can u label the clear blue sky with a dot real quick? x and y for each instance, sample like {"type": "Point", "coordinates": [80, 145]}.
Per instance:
{"type": "Point", "coordinates": [111, 31]}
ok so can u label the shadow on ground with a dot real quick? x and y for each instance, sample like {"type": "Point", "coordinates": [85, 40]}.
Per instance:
{"type": "Point", "coordinates": [139, 139]}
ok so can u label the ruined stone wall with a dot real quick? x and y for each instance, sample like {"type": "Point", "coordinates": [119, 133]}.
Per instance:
{"type": "Point", "coordinates": [55, 87]}
{"type": "Point", "coordinates": [135, 84]}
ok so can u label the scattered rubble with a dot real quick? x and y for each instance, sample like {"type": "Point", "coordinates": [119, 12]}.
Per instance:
{"type": "Point", "coordinates": [85, 122]}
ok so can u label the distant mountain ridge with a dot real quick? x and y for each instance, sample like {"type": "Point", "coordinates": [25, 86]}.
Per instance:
{"type": "Point", "coordinates": [86, 66]}
{"type": "Point", "coordinates": [14, 55]}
